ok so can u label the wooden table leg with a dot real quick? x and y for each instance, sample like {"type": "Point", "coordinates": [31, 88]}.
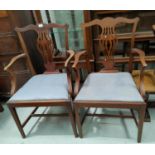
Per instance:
{"type": "Point", "coordinates": [141, 113]}
{"type": "Point", "coordinates": [72, 120]}
{"type": "Point", "coordinates": [78, 121]}
{"type": "Point", "coordinates": [147, 116]}
{"type": "Point", "coordinates": [1, 108]}
{"type": "Point", "coordinates": [16, 118]}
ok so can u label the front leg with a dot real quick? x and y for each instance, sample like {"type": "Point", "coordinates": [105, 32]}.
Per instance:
{"type": "Point", "coordinates": [78, 120]}
{"type": "Point", "coordinates": [16, 119]}
{"type": "Point", "coordinates": [141, 113]}
{"type": "Point", "coordinates": [147, 114]}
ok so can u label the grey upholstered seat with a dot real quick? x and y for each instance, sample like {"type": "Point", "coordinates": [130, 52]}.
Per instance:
{"type": "Point", "coordinates": [109, 87]}
{"type": "Point", "coordinates": [42, 87]}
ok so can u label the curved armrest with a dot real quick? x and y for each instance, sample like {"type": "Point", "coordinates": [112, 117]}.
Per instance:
{"type": "Point", "coordinates": [71, 55]}
{"type": "Point", "coordinates": [12, 74]}
{"type": "Point", "coordinates": [76, 69]}
{"type": "Point", "coordinates": [141, 54]}
{"type": "Point", "coordinates": [77, 58]}
{"type": "Point", "coordinates": [13, 61]}
{"type": "Point", "coordinates": [136, 51]}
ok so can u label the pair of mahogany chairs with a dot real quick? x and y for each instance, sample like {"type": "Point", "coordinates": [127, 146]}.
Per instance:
{"type": "Point", "coordinates": [107, 88]}
{"type": "Point", "coordinates": [149, 83]}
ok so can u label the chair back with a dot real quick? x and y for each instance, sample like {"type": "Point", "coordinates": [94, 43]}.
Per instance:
{"type": "Point", "coordinates": [44, 43]}
{"type": "Point", "coordinates": [108, 37]}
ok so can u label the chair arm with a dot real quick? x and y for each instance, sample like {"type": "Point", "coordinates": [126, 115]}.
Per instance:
{"type": "Point", "coordinates": [75, 67]}
{"type": "Point", "coordinates": [68, 70]}
{"type": "Point", "coordinates": [12, 74]}
{"type": "Point", "coordinates": [141, 54]}
{"type": "Point", "coordinates": [77, 58]}
{"type": "Point", "coordinates": [71, 55]}
{"type": "Point", "coordinates": [14, 60]}
{"type": "Point", "coordinates": [136, 51]}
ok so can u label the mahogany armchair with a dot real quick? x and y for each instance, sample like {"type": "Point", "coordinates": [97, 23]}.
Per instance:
{"type": "Point", "coordinates": [149, 84]}
{"type": "Point", "coordinates": [109, 88]}
{"type": "Point", "coordinates": [53, 88]}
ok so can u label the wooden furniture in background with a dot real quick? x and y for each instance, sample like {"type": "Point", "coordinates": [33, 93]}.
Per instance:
{"type": "Point", "coordinates": [53, 88]}
{"type": "Point", "coordinates": [9, 47]}
{"type": "Point", "coordinates": [110, 88]}
{"type": "Point", "coordinates": [1, 108]}
{"type": "Point", "coordinates": [149, 83]}
{"type": "Point", "coordinates": [37, 16]}
{"type": "Point", "coordinates": [143, 35]}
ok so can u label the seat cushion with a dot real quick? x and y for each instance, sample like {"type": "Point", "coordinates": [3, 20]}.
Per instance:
{"type": "Point", "coordinates": [109, 87]}
{"type": "Point", "coordinates": [43, 87]}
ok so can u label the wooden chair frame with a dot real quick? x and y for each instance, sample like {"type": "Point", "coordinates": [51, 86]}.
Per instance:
{"type": "Point", "coordinates": [148, 92]}
{"type": "Point", "coordinates": [108, 35]}
{"type": "Point", "coordinates": [46, 45]}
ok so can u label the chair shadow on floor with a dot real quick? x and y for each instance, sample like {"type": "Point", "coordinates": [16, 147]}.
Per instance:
{"type": "Point", "coordinates": [50, 125]}
{"type": "Point", "coordinates": [107, 127]}
{"type": "Point", "coordinates": [61, 125]}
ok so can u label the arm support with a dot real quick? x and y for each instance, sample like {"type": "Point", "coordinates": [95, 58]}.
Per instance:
{"type": "Point", "coordinates": [77, 73]}
{"type": "Point", "coordinates": [8, 68]}
{"type": "Point", "coordinates": [67, 66]}
{"type": "Point", "coordinates": [77, 58]}
{"type": "Point", "coordinates": [141, 54]}
{"type": "Point", "coordinates": [71, 55]}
